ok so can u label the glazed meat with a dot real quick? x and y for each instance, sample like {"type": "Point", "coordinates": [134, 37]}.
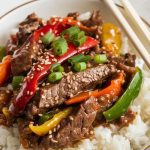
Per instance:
{"type": "Point", "coordinates": [23, 57]}
{"type": "Point", "coordinates": [78, 126]}
{"type": "Point", "coordinates": [73, 84]}
{"type": "Point", "coordinates": [29, 25]}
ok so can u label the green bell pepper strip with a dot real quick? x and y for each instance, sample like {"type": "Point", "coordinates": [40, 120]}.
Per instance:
{"type": "Point", "coordinates": [122, 105]}
{"type": "Point", "coordinates": [43, 129]}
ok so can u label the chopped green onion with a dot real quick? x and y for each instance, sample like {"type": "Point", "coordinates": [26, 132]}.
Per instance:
{"type": "Point", "coordinates": [100, 58]}
{"type": "Point", "coordinates": [71, 31]}
{"type": "Point", "coordinates": [79, 58]}
{"type": "Point", "coordinates": [16, 81]}
{"type": "Point", "coordinates": [60, 46]}
{"type": "Point", "coordinates": [2, 52]}
{"type": "Point", "coordinates": [57, 68]}
{"type": "Point", "coordinates": [48, 38]}
{"type": "Point", "coordinates": [54, 76]}
{"type": "Point", "coordinates": [80, 41]}
{"type": "Point", "coordinates": [80, 66]}
{"type": "Point", "coordinates": [77, 36]}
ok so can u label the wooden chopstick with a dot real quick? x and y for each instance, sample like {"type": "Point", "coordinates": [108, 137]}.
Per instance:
{"type": "Point", "coordinates": [131, 34]}
{"type": "Point", "coordinates": [144, 32]}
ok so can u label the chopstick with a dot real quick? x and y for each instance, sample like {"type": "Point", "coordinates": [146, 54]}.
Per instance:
{"type": "Point", "coordinates": [144, 32]}
{"type": "Point", "coordinates": [131, 34]}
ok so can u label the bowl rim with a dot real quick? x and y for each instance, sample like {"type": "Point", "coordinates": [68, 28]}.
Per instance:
{"type": "Point", "coordinates": [32, 1]}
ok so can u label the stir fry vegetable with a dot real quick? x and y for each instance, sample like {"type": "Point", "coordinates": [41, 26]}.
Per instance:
{"type": "Point", "coordinates": [79, 58]}
{"type": "Point", "coordinates": [17, 80]}
{"type": "Point", "coordinates": [114, 87]}
{"type": "Point", "coordinates": [50, 124]}
{"type": "Point", "coordinates": [29, 87]}
{"type": "Point", "coordinates": [5, 69]}
{"type": "Point", "coordinates": [54, 76]}
{"type": "Point", "coordinates": [57, 68]}
{"type": "Point", "coordinates": [2, 52]}
{"type": "Point", "coordinates": [111, 38]}
{"type": "Point", "coordinates": [48, 38]}
{"type": "Point", "coordinates": [60, 46]}
{"type": "Point", "coordinates": [100, 58]}
{"type": "Point", "coordinates": [80, 66]}
{"type": "Point", "coordinates": [122, 105]}
{"type": "Point", "coordinates": [75, 35]}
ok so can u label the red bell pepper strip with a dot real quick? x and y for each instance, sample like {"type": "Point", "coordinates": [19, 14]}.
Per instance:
{"type": "Point", "coordinates": [114, 88]}
{"type": "Point", "coordinates": [5, 69]}
{"type": "Point", "coordinates": [56, 28]}
{"type": "Point", "coordinates": [41, 70]}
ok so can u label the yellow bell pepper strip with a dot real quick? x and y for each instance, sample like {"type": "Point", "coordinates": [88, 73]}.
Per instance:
{"type": "Point", "coordinates": [5, 69]}
{"type": "Point", "coordinates": [111, 38]}
{"type": "Point", "coordinates": [43, 129]}
{"type": "Point", "coordinates": [114, 87]}
{"type": "Point", "coordinates": [122, 105]}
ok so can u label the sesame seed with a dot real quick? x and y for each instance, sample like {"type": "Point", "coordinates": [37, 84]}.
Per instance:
{"type": "Point", "coordinates": [39, 53]}
{"type": "Point", "coordinates": [60, 20]}
{"type": "Point", "coordinates": [58, 126]}
{"type": "Point", "coordinates": [28, 92]}
{"type": "Point", "coordinates": [7, 91]}
{"type": "Point", "coordinates": [43, 84]}
{"type": "Point", "coordinates": [43, 96]}
{"type": "Point", "coordinates": [40, 115]}
{"type": "Point", "coordinates": [78, 23]}
{"type": "Point", "coordinates": [38, 69]}
{"type": "Point", "coordinates": [51, 55]}
{"type": "Point", "coordinates": [37, 88]}
{"type": "Point", "coordinates": [54, 141]}
{"type": "Point", "coordinates": [71, 95]}
{"type": "Point", "coordinates": [42, 33]}
{"type": "Point", "coordinates": [69, 20]}
{"type": "Point", "coordinates": [75, 88]}
{"type": "Point", "coordinates": [91, 132]}
{"type": "Point", "coordinates": [34, 47]}
{"type": "Point", "coordinates": [47, 105]}
{"type": "Point", "coordinates": [47, 83]}
{"type": "Point", "coordinates": [50, 132]}
{"type": "Point", "coordinates": [71, 118]}
{"type": "Point", "coordinates": [54, 130]}
{"type": "Point", "coordinates": [39, 41]}
{"type": "Point", "coordinates": [31, 93]}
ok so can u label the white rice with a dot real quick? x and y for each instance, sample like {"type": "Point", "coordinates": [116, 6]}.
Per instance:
{"type": "Point", "coordinates": [134, 137]}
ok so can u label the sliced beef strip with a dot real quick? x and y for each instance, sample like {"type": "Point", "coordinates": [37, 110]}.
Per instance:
{"type": "Point", "coordinates": [73, 84]}
{"type": "Point", "coordinates": [12, 45]}
{"type": "Point", "coordinates": [95, 19]}
{"type": "Point", "coordinates": [76, 127]}
{"type": "Point", "coordinates": [74, 15]}
{"type": "Point", "coordinates": [23, 57]}
{"type": "Point", "coordinates": [124, 62]}
{"type": "Point", "coordinates": [28, 26]}
{"type": "Point", "coordinates": [80, 123]}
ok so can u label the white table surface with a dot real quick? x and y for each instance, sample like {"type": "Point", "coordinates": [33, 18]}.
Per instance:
{"type": "Point", "coordinates": [142, 6]}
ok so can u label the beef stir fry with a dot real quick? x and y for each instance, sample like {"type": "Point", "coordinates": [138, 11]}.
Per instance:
{"type": "Point", "coordinates": [61, 78]}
